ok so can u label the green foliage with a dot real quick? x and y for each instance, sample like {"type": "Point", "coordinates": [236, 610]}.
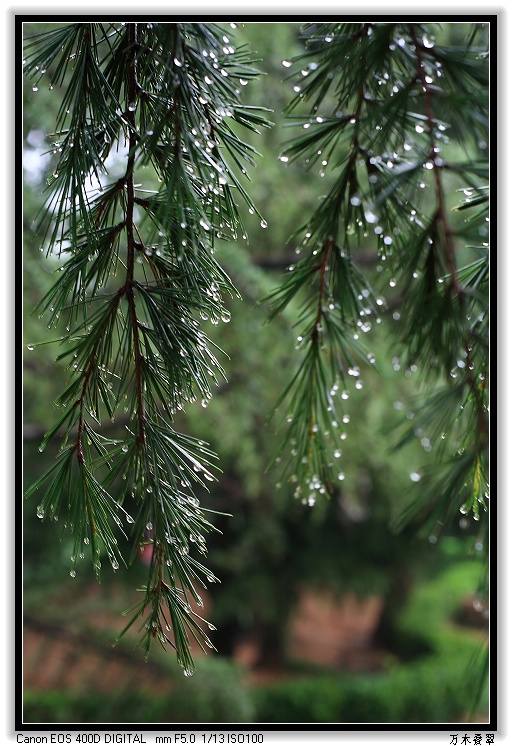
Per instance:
{"type": "Point", "coordinates": [420, 693]}
{"type": "Point", "coordinates": [381, 113]}
{"type": "Point", "coordinates": [215, 695]}
{"type": "Point", "coordinates": [167, 93]}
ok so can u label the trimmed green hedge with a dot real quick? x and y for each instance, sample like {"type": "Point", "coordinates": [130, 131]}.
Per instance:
{"type": "Point", "coordinates": [214, 694]}
{"type": "Point", "coordinates": [435, 689]}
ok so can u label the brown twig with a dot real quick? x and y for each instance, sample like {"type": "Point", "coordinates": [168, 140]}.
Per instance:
{"type": "Point", "coordinates": [437, 170]}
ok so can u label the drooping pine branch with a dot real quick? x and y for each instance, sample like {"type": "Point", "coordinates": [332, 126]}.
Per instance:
{"type": "Point", "coordinates": [138, 279]}
{"type": "Point", "coordinates": [383, 102]}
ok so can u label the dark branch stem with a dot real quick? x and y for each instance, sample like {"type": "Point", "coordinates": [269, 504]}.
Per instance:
{"type": "Point", "coordinates": [130, 227]}
{"type": "Point", "coordinates": [437, 168]}
{"type": "Point", "coordinates": [323, 266]}
{"type": "Point", "coordinates": [88, 372]}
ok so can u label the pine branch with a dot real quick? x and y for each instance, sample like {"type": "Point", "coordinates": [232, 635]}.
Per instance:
{"type": "Point", "coordinates": [385, 138]}
{"type": "Point", "coordinates": [138, 344]}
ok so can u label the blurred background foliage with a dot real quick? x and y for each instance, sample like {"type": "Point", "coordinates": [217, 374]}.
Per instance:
{"type": "Point", "coordinates": [272, 545]}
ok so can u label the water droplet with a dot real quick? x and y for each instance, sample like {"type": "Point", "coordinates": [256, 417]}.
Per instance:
{"type": "Point", "coordinates": [40, 511]}
{"type": "Point", "coordinates": [72, 573]}
{"type": "Point", "coordinates": [125, 448]}
{"type": "Point", "coordinates": [30, 347]}
{"type": "Point", "coordinates": [35, 88]}
{"type": "Point", "coordinates": [341, 476]}
{"type": "Point", "coordinates": [414, 476]}
{"type": "Point", "coordinates": [132, 106]}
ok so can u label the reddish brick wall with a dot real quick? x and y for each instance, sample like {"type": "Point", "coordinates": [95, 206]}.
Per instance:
{"type": "Point", "coordinates": [330, 629]}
